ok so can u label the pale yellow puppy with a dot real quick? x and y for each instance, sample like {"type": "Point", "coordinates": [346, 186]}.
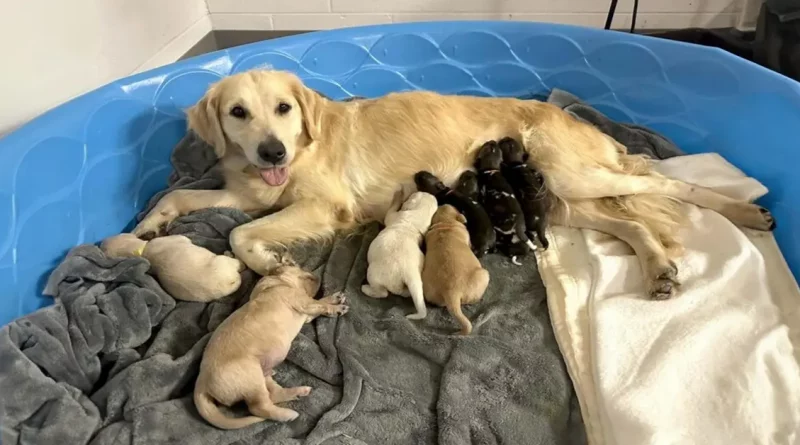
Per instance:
{"type": "Point", "coordinates": [239, 359]}
{"type": "Point", "coordinates": [186, 271]}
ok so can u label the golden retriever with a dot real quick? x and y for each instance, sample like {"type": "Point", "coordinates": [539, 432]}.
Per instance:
{"type": "Point", "coordinates": [332, 165]}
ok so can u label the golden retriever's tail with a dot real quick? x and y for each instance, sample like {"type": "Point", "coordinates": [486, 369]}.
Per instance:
{"type": "Point", "coordinates": [209, 410]}
{"type": "Point", "coordinates": [453, 303]}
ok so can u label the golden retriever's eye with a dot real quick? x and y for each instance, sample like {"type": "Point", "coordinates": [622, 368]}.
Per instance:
{"type": "Point", "coordinates": [238, 112]}
{"type": "Point", "coordinates": [283, 108]}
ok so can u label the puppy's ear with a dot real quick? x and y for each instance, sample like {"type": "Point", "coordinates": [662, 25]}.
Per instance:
{"type": "Point", "coordinates": [203, 119]}
{"type": "Point", "coordinates": [311, 104]}
{"type": "Point", "coordinates": [461, 218]}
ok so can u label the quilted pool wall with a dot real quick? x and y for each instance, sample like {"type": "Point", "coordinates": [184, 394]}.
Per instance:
{"type": "Point", "coordinates": [80, 172]}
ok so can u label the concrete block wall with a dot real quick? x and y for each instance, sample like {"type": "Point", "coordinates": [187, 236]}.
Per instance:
{"type": "Point", "coordinates": [302, 15]}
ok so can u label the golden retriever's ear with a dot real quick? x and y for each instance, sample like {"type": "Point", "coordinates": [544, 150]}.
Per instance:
{"type": "Point", "coordinates": [311, 105]}
{"type": "Point", "coordinates": [203, 119]}
{"type": "Point", "coordinates": [460, 218]}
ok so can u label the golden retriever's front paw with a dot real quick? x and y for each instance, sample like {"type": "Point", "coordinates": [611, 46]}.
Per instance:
{"type": "Point", "coordinates": [154, 224]}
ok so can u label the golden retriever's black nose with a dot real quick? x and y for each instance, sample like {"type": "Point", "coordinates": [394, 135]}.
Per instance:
{"type": "Point", "coordinates": [272, 150]}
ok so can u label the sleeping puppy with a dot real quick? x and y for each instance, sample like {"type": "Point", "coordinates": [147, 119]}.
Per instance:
{"type": "Point", "coordinates": [394, 256]}
{"type": "Point", "coordinates": [501, 204]}
{"type": "Point", "coordinates": [479, 225]}
{"type": "Point", "coordinates": [238, 360]}
{"type": "Point", "coordinates": [452, 275]}
{"type": "Point", "coordinates": [529, 187]}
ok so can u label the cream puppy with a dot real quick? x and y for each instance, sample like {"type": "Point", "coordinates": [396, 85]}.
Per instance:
{"type": "Point", "coordinates": [239, 359]}
{"type": "Point", "coordinates": [395, 259]}
{"type": "Point", "coordinates": [186, 271]}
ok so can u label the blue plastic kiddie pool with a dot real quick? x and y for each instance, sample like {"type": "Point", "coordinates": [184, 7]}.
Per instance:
{"type": "Point", "coordinates": [81, 172]}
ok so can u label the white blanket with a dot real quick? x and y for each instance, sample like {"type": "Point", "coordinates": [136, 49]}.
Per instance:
{"type": "Point", "coordinates": [718, 364]}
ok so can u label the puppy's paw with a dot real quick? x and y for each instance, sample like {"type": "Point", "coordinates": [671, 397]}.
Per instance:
{"type": "Point", "coordinates": [417, 316]}
{"type": "Point", "coordinates": [338, 298]}
{"type": "Point", "coordinates": [288, 394]}
{"type": "Point", "coordinates": [340, 309]}
{"type": "Point", "coordinates": [285, 415]}
{"type": "Point", "coordinates": [374, 292]}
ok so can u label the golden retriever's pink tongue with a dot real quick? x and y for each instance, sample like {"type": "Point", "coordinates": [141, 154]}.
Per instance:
{"type": "Point", "coordinates": [275, 176]}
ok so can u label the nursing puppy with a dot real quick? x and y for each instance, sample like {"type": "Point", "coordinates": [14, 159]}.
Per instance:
{"type": "Point", "coordinates": [239, 359]}
{"type": "Point", "coordinates": [394, 257]}
{"type": "Point", "coordinates": [529, 187]}
{"type": "Point", "coordinates": [468, 186]}
{"type": "Point", "coordinates": [501, 204]}
{"type": "Point", "coordinates": [452, 275]}
{"type": "Point", "coordinates": [479, 225]}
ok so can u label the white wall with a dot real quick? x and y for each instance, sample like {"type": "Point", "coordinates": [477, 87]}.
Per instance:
{"type": "Point", "coordinates": [299, 15]}
{"type": "Point", "coordinates": [54, 50]}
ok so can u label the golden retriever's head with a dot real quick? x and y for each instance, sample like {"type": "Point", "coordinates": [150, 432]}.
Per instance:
{"type": "Point", "coordinates": [268, 115]}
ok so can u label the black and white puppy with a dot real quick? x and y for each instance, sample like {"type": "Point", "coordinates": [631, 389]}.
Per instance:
{"type": "Point", "coordinates": [501, 204]}
{"type": "Point", "coordinates": [529, 187]}
{"type": "Point", "coordinates": [467, 185]}
{"type": "Point", "coordinates": [481, 233]}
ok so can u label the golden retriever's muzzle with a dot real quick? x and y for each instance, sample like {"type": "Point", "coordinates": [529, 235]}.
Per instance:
{"type": "Point", "coordinates": [273, 160]}
{"type": "Point", "coordinates": [272, 151]}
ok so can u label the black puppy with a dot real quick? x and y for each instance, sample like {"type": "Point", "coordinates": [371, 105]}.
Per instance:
{"type": "Point", "coordinates": [479, 225]}
{"type": "Point", "coordinates": [501, 204]}
{"type": "Point", "coordinates": [528, 185]}
{"type": "Point", "coordinates": [467, 185]}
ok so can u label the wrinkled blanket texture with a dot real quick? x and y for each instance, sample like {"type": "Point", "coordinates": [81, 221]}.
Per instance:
{"type": "Point", "coordinates": [114, 360]}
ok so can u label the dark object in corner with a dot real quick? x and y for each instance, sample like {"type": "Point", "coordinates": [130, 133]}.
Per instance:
{"type": "Point", "coordinates": [775, 44]}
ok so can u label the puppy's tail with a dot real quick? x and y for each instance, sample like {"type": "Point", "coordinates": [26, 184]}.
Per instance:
{"type": "Point", "coordinates": [453, 303]}
{"type": "Point", "coordinates": [413, 282]}
{"type": "Point", "coordinates": [209, 410]}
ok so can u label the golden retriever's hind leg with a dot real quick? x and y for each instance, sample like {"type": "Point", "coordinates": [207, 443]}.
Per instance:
{"type": "Point", "coordinates": [660, 273]}
{"type": "Point", "coordinates": [255, 243]}
{"type": "Point", "coordinates": [605, 183]}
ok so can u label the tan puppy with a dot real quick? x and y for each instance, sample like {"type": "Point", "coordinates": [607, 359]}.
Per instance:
{"type": "Point", "coordinates": [239, 359]}
{"type": "Point", "coordinates": [395, 259]}
{"type": "Point", "coordinates": [186, 271]}
{"type": "Point", "coordinates": [452, 274]}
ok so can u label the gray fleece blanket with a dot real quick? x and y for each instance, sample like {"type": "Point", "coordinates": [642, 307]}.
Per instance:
{"type": "Point", "coordinates": [114, 359]}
